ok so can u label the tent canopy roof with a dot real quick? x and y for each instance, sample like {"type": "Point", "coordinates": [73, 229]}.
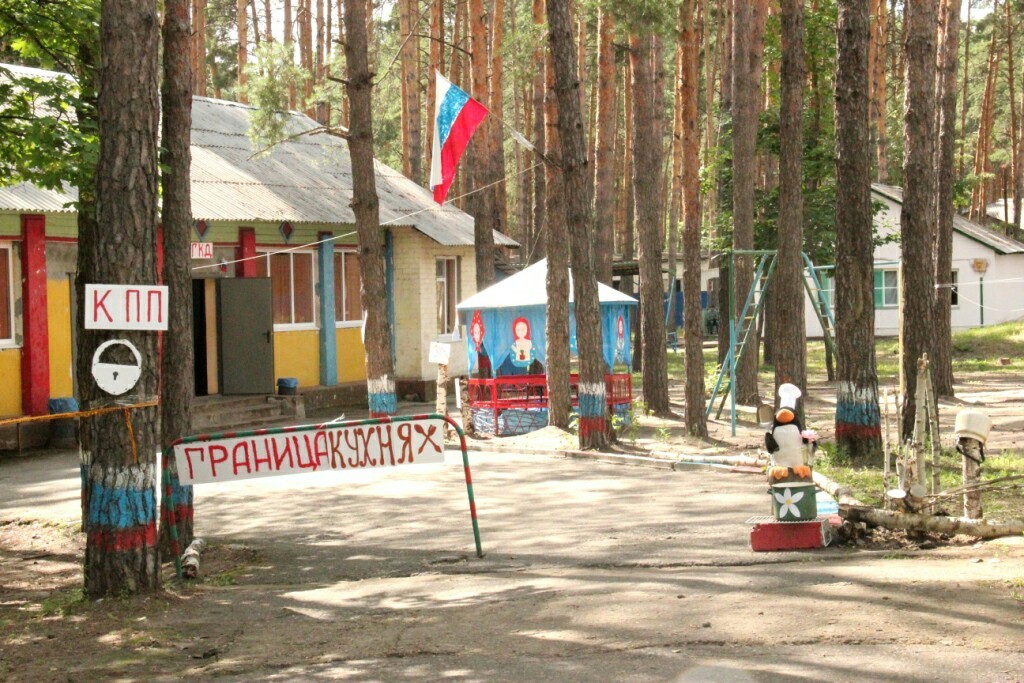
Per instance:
{"type": "Point", "coordinates": [528, 287]}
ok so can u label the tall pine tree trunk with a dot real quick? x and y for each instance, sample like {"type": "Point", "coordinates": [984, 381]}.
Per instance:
{"type": "Point", "coordinates": [241, 18]}
{"type": "Point", "coordinates": [289, 41]}
{"type": "Point", "coordinates": [604, 152]}
{"type": "Point", "coordinates": [198, 47]}
{"type": "Point", "coordinates": [304, 16]}
{"type": "Point", "coordinates": [1016, 130]}
{"type": "Point", "coordinates": [790, 343]}
{"type": "Point", "coordinates": [593, 422]}
{"type": "Point", "coordinates": [917, 219]}
{"type": "Point", "coordinates": [483, 204]}
{"type": "Point", "coordinates": [949, 51]}
{"type": "Point", "coordinates": [177, 387]}
{"type": "Point", "coordinates": [693, 332]}
{"type": "Point", "coordinates": [121, 553]}
{"type": "Point", "coordinates": [557, 331]}
{"type": "Point", "coordinates": [538, 244]}
{"type": "Point", "coordinates": [647, 175]}
{"type": "Point", "coordinates": [380, 373]}
{"type": "Point", "coordinates": [496, 95]}
{"type": "Point", "coordinates": [878, 117]}
{"type": "Point", "coordinates": [858, 430]}
{"type": "Point", "coordinates": [436, 65]}
{"type": "Point", "coordinates": [628, 236]}
{"type": "Point", "coordinates": [748, 47]}
{"type": "Point", "coordinates": [412, 151]}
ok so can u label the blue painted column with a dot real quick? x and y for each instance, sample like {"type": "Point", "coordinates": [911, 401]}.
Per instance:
{"type": "Point", "coordinates": [389, 266]}
{"type": "Point", "coordinates": [328, 335]}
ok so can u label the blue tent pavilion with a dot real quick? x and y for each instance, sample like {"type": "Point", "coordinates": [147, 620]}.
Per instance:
{"type": "Point", "coordinates": [506, 344]}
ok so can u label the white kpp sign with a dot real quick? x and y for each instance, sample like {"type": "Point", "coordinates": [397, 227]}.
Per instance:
{"type": "Point", "coordinates": [311, 449]}
{"type": "Point", "coordinates": [125, 307]}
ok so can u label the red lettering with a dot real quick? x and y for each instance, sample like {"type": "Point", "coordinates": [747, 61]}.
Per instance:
{"type": "Point", "coordinates": [280, 456]}
{"type": "Point", "coordinates": [98, 302]}
{"type": "Point", "coordinates": [368, 458]}
{"type": "Point", "coordinates": [310, 461]}
{"type": "Point", "coordinates": [385, 445]}
{"type": "Point", "coordinates": [320, 448]}
{"type": "Point", "coordinates": [214, 460]}
{"type": "Point", "coordinates": [405, 436]}
{"type": "Point", "coordinates": [128, 305]}
{"type": "Point", "coordinates": [188, 458]}
{"type": "Point", "coordinates": [353, 447]}
{"type": "Point", "coordinates": [236, 463]}
{"type": "Point", "coordinates": [256, 459]}
{"type": "Point", "coordinates": [337, 457]}
{"type": "Point", "coordinates": [159, 305]}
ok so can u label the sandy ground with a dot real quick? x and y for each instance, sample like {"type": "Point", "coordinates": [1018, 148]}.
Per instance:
{"type": "Point", "coordinates": [592, 572]}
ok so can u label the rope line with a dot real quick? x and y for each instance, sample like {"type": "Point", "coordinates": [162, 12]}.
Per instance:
{"type": "Point", "coordinates": [77, 414]}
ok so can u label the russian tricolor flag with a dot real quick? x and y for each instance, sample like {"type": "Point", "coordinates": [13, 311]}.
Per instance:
{"type": "Point", "coordinates": [455, 119]}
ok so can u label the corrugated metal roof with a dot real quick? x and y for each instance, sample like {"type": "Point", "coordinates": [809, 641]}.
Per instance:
{"type": "Point", "coordinates": [528, 287]}
{"type": "Point", "coordinates": [28, 197]}
{"type": "Point", "coordinates": [305, 179]}
{"type": "Point", "coordinates": [979, 233]}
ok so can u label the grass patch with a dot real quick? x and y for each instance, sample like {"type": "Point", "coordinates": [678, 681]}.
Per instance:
{"type": "Point", "coordinates": [867, 485]}
{"type": "Point", "coordinates": [63, 603]}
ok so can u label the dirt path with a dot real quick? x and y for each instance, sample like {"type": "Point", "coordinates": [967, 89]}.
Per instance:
{"type": "Point", "coordinates": [592, 572]}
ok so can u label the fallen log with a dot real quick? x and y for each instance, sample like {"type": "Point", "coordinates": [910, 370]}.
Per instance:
{"type": "Point", "coordinates": [842, 494]}
{"type": "Point", "coordinates": [742, 460]}
{"type": "Point", "coordinates": [909, 521]}
{"type": "Point", "coordinates": [190, 559]}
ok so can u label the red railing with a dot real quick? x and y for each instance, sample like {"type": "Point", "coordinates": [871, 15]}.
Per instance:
{"type": "Point", "coordinates": [530, 392]}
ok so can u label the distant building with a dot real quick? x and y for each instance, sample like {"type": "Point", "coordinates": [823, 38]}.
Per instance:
{"type": "Point", "coordinates": [250, 209]}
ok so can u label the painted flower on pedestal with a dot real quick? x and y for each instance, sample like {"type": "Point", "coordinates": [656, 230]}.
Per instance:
{"type": "Point", "coordinates": [787, 501]}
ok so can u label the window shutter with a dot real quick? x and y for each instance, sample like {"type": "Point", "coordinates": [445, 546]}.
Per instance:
{"type": "Point", "coordinates": [879, 283]}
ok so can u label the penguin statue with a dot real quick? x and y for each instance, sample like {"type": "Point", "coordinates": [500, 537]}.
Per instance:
{"type": "Point", "coordinates": [786, 440]}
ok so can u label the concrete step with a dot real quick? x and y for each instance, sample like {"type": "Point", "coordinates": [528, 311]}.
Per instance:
{"type": "Point", "coordinates": [229, 414]}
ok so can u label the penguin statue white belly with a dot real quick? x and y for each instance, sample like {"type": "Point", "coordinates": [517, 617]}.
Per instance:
{"type": "Point", "coordinates": [785, 444]}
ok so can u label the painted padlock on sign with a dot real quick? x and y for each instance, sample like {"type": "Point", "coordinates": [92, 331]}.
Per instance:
{"type": "Point", "coordinates": [116, 378]}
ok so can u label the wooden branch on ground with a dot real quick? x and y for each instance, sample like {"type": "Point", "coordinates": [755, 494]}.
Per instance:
{"type": "Point", "coordinates": [842, 494]}
{"type": "Point", "coordinates": [945, 525]}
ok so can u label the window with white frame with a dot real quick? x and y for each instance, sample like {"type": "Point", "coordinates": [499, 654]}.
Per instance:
{"type": "Point", "coordinates": [887, 289]}
{"type": "Point", "coordinates": [447, 278]}
{"type": "Point", "coordinates": [6, 295]}
{"type": "Point", "coordinates": [347, 278]}
{"type": "Point", "coordinates": [293, 282]}
{"type": "Point", "coordinates": [954, 293]}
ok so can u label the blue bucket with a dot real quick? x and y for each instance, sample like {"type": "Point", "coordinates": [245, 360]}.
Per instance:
{"type": "Point", "coordinates": [63, 433]}
{"type": "Point", "coordinates": [287, 386]}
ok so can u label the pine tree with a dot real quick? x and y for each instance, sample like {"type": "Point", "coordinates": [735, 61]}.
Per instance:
{"type": "Point", "coordinates": [858, 427]}
{"type": "Point", "coordinates": [121, 553]}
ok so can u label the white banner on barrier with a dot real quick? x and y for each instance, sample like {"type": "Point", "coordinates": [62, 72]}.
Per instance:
{"type": "Point", "coordinates": [325, 447]}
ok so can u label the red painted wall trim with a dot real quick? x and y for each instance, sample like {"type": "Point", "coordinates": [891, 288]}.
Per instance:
{"type": "Point", "coordinates": [35, 348]}
{"type": "Point", "coordinates": [246, 250]}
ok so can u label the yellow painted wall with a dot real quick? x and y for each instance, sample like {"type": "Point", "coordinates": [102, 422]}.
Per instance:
{"type": "Point", "coordinates": [58, 311]}
{"type": "Point", "coordinates": [297, 354]}
{"type": "Point", "coordinates": [10, 382]}
{"type": "Point", "coordinates": [351, 355]}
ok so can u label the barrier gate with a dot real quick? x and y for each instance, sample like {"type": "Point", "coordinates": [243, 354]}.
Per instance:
{"type": "Point", "coordinates": [337, 446]}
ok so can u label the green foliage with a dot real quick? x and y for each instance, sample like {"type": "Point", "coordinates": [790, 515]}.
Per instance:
{"type": "Point", "coordinates": [270, 76]}
{"type": "Point", "coordinates": [48, 131]}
